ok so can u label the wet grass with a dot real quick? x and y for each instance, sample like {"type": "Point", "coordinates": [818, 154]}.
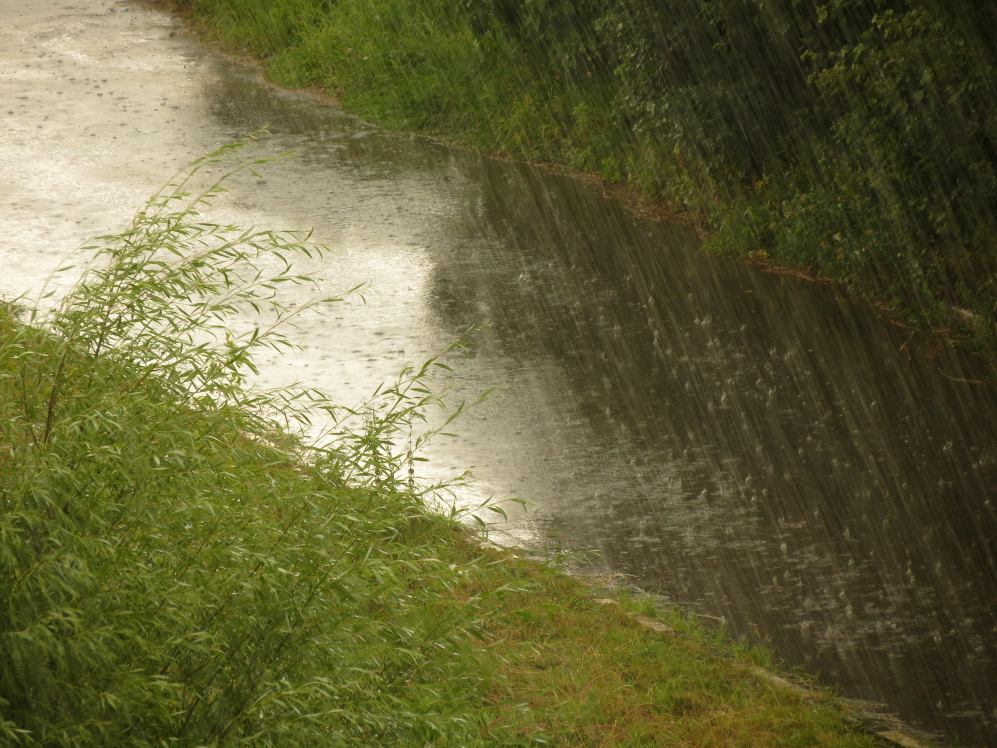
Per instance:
{"type": "Point", "coordinates": [181, 566]}
{"type": "Point", "coordinates": [421, 66]}
{"type": "Point", "coordinates": [588, 675]}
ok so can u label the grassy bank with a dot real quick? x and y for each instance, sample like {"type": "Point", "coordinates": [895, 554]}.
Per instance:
{"type": "Point", "coordinates": [180, 566]}
{"type": "Point", "coordinates": [850, 140]}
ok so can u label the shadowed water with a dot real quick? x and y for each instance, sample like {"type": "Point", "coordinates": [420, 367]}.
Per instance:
{"type": "Point", "coordinates": [747, 444]}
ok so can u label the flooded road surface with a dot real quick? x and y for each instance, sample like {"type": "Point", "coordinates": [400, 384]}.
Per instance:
{"type": "Point", "coordinates": [744, 443]}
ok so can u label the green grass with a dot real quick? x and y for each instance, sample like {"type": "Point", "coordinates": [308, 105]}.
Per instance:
{"type": "Point", "coordinates": [180, 566]}
{"type": "Point", "coordinates": [419, 65]}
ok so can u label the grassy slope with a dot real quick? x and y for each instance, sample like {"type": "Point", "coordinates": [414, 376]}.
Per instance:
{"type": "Point", "coordinates": [414, 65]}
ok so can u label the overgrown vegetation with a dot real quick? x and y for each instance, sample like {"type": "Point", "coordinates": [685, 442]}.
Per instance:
{"type": "Point", "coordinates": [180, 566]}
{"type": "Point", "coordinates": [854, 139]}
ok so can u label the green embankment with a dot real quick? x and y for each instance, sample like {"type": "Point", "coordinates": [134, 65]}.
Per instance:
{"type": "Point", "coordinates": [851, 139]}
{"type": "Point", "coordinates": [179, 567]}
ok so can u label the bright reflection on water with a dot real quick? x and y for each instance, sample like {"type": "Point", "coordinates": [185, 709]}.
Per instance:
{"type": "Point", "coordinates": [744, 443]}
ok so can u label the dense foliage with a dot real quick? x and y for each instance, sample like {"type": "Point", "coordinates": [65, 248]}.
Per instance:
{"type": "Point", "coordinates": [857, 133]}
{"type": "Point", "coordinates": [851, 138]}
